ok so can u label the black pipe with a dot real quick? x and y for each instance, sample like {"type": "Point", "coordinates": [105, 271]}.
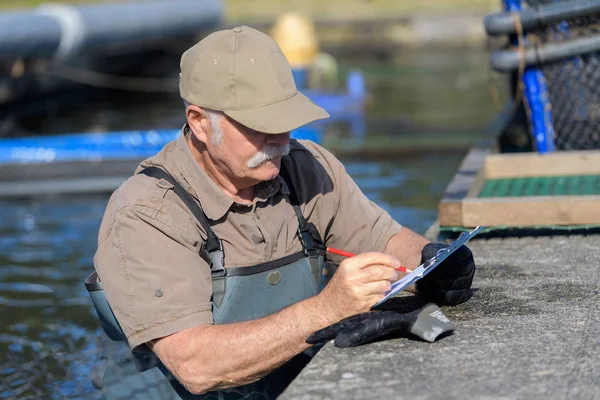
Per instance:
{"type": "Point", "coordinates": [532, 18]}
{"type": "Point", "coordinates": [64, 30]}
{"type": "Point", "coordinates": [509, 60]}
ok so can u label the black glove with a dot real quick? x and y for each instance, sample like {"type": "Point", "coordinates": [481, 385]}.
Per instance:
{"type": "Point", "coordinates": [427, 323]}
{"type": "Point", "coordinates": [449, 282]}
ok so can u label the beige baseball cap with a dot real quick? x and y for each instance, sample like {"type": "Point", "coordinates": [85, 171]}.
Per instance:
{"type": "Point", "coordinates": [243, 73]}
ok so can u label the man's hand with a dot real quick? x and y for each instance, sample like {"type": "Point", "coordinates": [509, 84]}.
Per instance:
{"type": "Point", "coordinates": [359, 283]}
{"type": "Point", "coordinates": [449, 282]}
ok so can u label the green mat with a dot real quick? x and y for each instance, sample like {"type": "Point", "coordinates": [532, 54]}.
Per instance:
{"type": "Point", "coordinates": [573, 185]}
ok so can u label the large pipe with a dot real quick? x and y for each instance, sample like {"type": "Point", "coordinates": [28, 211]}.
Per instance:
{"type": "Point", "coordinates": [510, 60]}
{"type": "Point", "coordinates": [59, 30]}
{"type": "Point", "coordinates": [532, 18]}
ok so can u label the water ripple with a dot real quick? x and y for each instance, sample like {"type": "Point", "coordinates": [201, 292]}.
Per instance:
{"type": "Point", "coordinates": [12, 339]}
{"type": "Point", "coordinates": [25, 287]}
{"type": "Point", "coordinates": [22, 303]}
{"type": "Point", "coordinates": [41, 273]}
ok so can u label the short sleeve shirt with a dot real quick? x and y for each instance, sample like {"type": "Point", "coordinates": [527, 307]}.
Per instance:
{"type": "Point", "coordinates": [149, 242]}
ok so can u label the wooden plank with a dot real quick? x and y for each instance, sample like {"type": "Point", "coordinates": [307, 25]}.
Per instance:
{"type": "Point", "coordinates": [450, 213]}
{"type": "Point", "coordinates": [477, 184]}
{"type": "Point", "coordinates": [527, 211]}
{"type": "Point", "coordinates": [450, 208]}
{"type": "Point", "coordinates": [469, 168]}
{"type": "Point", "coordinates": [560, 163]}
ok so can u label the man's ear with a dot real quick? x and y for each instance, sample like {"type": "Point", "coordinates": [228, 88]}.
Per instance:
{"type": "Point", "coordinates": [198, 122]}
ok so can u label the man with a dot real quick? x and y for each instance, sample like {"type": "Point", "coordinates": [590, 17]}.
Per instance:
{"type": "Point", "coordinates": [211, 255]}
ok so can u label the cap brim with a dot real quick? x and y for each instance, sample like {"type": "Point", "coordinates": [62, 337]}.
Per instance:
{"type": "Point", "coordinates": [283, 116]}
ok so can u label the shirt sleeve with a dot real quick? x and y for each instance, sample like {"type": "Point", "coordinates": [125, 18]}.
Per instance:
{"type": "Point", "coordinates": [354, 223]}
{"type": "Point", "coordinates": [153, 276]}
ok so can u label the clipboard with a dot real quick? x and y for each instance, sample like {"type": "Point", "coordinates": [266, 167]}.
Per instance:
{"type": "Point", "coordinates": [429, 265]}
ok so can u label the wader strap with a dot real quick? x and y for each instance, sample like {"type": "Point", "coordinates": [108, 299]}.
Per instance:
{"type": "Point", "coordinates": [267, 266]}
{"type": "Point", "coordinates": [107, 318]}
{"type": "Point", "coordinates": [213, 244]}
{"type": "Point", "coordinates": [313, 245]}
{"type": "Point", "coordinates": [307, 231]}
{"type": "Point", "coordinates": [212, 249]}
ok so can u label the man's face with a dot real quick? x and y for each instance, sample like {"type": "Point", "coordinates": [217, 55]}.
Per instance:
{"type": "Point", "coordinates": [245, 154]}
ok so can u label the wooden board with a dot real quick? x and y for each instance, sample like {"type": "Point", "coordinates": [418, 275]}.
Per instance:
{"type": "Point", "coordinates": [529, 211]}
{"type": "Point", "coordinates": [523, 165]}
{"type": "Point", "coordinates": [450, 208]}
{"type": "Point", "coordinates": [461, 206]}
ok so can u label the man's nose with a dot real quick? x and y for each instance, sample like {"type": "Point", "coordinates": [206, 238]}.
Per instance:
{"type": "Point", "coordinates": [279, 139]}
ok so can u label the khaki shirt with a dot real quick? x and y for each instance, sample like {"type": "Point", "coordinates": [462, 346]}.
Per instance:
{"type": "Point", "coordinates": [148, 245]}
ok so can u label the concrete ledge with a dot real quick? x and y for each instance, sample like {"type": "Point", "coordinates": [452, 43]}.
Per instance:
{"type": "Point", "coordinates": [531, 330]}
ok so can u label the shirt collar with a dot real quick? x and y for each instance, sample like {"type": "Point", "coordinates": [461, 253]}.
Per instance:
{"type": "Point", "coordinates": [215, 203]}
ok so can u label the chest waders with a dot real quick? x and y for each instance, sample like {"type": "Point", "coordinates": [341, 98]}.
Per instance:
{"type": "Point", "coordinates": [239, 294]}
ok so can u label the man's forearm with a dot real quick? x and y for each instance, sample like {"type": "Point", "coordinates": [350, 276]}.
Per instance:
{"type": "Point", "coordinates": [214, 357]}
{"type": "Point", "coordinates": [407, 246]}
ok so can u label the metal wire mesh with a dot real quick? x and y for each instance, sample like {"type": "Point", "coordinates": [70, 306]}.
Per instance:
{"type": "Point", "coordinates": [573, 83]}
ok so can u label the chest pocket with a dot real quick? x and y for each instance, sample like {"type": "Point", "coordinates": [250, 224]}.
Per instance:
{"type": "Point", "coordinates": [258, 291]}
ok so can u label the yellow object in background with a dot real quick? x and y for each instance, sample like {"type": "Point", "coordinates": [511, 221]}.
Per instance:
{"type": "Point", "coordinates": [295, 34]}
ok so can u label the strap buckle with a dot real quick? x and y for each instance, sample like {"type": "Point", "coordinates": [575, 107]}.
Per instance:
{"type": "Point", "coordinates": [312, 246]}
{"type": "Point", "coordinates": [216, 260]}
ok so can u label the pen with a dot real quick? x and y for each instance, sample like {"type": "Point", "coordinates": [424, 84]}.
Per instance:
{"type": "Point", "coordinates": [343, 253]}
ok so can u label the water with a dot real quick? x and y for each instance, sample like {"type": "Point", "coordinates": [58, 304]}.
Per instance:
{"type": "Point", "coordinates": [48, 330]}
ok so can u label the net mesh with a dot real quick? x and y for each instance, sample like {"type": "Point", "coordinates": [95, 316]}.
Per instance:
{"type": "Point", "coordinates": [573, 83]}
{"type": "Point", "coordinates": [572, 185]}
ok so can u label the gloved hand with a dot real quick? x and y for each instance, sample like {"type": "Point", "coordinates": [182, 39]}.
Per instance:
{"type": "Point", "coordinates": [449, 282]}
{"type": "Point", "coordinates": [427, 323]}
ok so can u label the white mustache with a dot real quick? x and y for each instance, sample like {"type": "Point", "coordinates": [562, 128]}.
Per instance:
{"type": "Point", "coordinates": [266, 154]}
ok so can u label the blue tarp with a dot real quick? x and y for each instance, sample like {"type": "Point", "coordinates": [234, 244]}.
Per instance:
{"type": "Point", "coordinates": [100, 146]}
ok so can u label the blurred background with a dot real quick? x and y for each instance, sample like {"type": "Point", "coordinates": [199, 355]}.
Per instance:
{"type": "Point", "coordinates": [87, 92]}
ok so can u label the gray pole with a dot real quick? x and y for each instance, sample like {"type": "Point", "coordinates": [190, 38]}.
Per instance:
{"type": "Point", "coordinates": [59, 30]}
{"type": "Point", "coordinates": [510, 60]}
{"type": "Point", "coordinates": [531, 18]}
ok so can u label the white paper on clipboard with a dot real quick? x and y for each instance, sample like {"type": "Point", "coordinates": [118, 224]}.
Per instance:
{"type": "Point", "coordinates": [429, 265]}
